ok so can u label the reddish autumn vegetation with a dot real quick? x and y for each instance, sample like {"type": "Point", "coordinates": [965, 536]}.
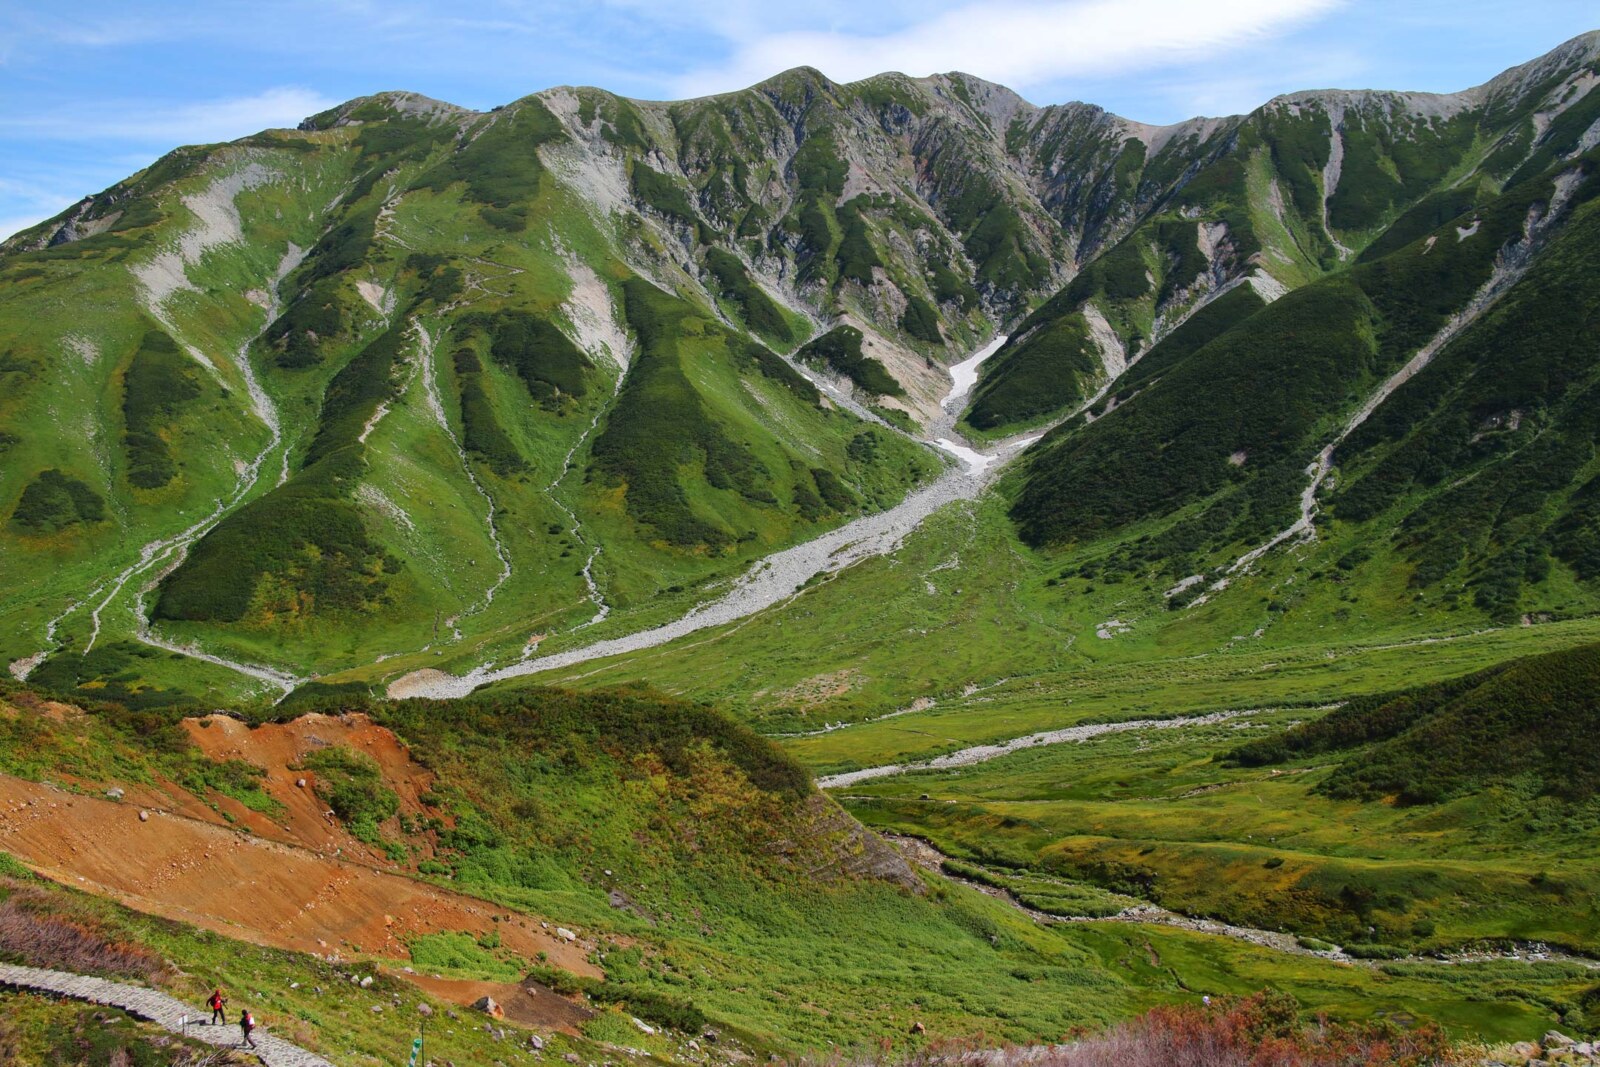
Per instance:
{"type": "Point", "coordinates": [34, 931]}
{"type": "Point", "coordinates": [1264, 1030]}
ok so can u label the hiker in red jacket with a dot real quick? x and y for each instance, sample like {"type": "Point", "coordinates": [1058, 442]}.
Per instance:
{"type": "Point", "coordinates": [247, 1023]}
{"type": "Point", "coordinates": [216, 1003]}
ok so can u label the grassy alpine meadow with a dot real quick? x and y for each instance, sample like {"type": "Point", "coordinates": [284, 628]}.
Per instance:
{"type": "Point", "coordinates": [974, 654]}
{"type": "Point", "coordinates": [1156, 813]}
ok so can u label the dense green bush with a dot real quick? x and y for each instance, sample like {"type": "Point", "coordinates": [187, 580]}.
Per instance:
{"type": "Point", "coordinates": [351, 784]}
{"type": "Point", "coordinates": [1037, 373]}
{"type": "Point", "coordinates": [840, 350]}
{"type": "Point", "coordinates": [155, 386]}
{"type": "Point", "coordinates": [759, 311]}
{"type": "Point", "coordinates": [54, 501]}
{"type": "Point", "coordinates": [950, 287]}
{"type": "Point", "coordinates": [921, 321]}
{"type": "Point", "coordinates": [111, 671]}
{"type": "Point", "coordinates": [770, 365]}
{"type": "Point", "coordinates": [314, 316]}
{"type": "Point", "coordinates": [626, 721]}
{"type": "Point", "coordinates": [662, 193]}
{"type": "Point", "coordinates": [481, 432]}
{"type": "Point", "coordinates": [660, 429]}
{"type": "Point", "coordinates": [549, 364]}
{"type": "Point", "coordinates": [856, 256]}
{"type": "Point", "coordinates": [1303, 356]}
{"type": "Point", "coordinates": [1513, 724]}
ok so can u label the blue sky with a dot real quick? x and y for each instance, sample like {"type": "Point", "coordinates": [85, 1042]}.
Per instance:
{"type": "Point", "coordinates": [93, 90]}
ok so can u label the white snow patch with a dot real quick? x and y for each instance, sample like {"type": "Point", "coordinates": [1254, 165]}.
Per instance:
{"type": "Point", "coordinates": [964, 375]}
{"type": "Point", "coordinates": [976, 461]}
{"type": "Point", "coordinates": [1463, 232]}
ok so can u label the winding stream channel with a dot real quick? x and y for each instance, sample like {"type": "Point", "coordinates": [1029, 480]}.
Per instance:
{"type": "Point", "coordinates": [966, 757]}
{"type": "Point", "coordinates": [780, 576]}
{"type": "Point", "coordinates": [924, 854]}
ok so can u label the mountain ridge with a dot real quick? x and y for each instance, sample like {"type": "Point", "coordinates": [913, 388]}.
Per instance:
{"type": "Point", "coordinates": [926, 213]}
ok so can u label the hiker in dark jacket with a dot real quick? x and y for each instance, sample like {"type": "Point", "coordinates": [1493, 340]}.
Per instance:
{"type": "Point", "coordinates": [216, 1002]}
{"type": "Point", "coordinates": [247, 1023]}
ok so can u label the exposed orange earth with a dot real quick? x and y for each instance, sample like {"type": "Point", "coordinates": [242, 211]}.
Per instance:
{"type": "Point", "coordinates": [298, 882]}
{"type": "Point", "coordinates": [277, 748]}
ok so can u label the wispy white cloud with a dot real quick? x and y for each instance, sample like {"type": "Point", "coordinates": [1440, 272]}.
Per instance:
{"type": "Point", "coordinates": [169, 124]}
{"type": "Point", "coordinates": [1017, 42]}
{"type": "Point", "coordinates": [1199, 89]}
{"type": "Point", "coordinates": [26, 204]}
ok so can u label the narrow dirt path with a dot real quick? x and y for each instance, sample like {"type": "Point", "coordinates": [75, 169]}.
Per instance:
{"type": "Point", "coordinates": [153, 1006]}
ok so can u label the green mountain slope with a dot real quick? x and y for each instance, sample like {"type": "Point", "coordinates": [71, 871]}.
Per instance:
{"type": "Point", "coordinates": [433, 411]}
{"type": "Point", "coordinates": [1279, 197]}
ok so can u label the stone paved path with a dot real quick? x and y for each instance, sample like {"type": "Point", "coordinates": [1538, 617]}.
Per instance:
{"type": "Point", "coordinates": [158, 1008]}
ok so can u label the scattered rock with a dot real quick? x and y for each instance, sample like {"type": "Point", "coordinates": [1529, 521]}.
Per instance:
{"type": "Point", "coordinates": [366, 983]}
{"type": "Point", "coordinates": [918, 1028]}
{"type": "Point", "coordinates": [299, 783]}
{"type": "Point", "coordinates": [536, 1042]}
{"type": "Point", "coordinates": [490, 1007]}
{"type": "Point", "coordinates": [571, 1057]}
{"type": "Point", "coordinates": [114, 793]}
{"type": "Point", "coordinates": [566, 935]}
{"type": "Point", "coordinates": [1556, 1039]}
{"type": "Point", "coordinates": [144, 816]}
